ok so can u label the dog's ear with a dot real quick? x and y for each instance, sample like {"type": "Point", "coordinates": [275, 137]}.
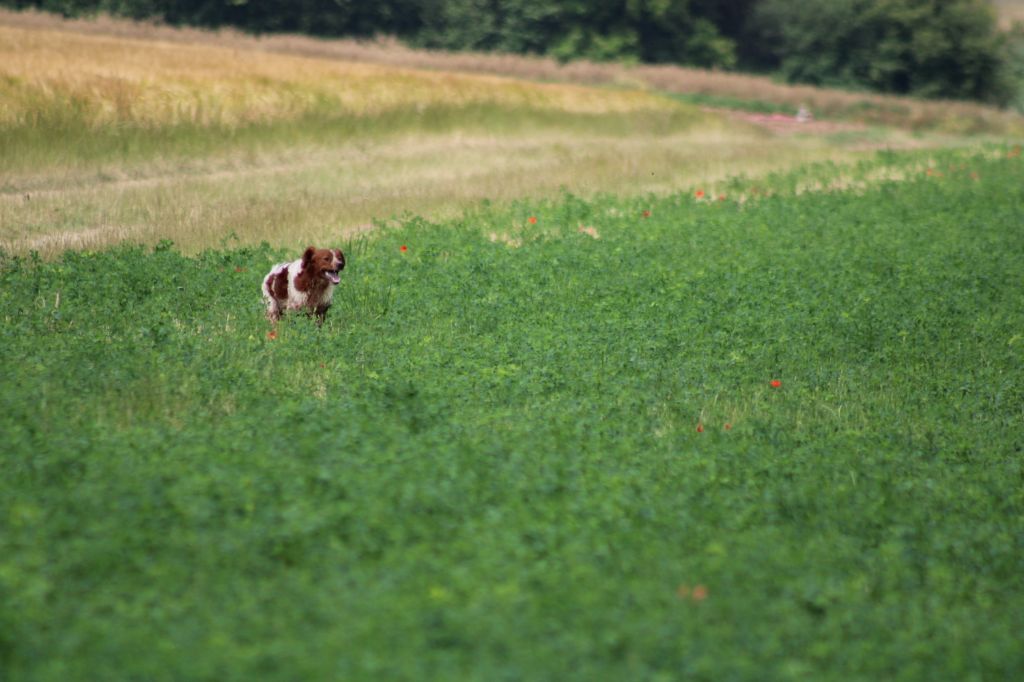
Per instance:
{"type": "Point", "coordinates": [341, 257]}
{"type": "Point", "coordinates": [308, 255]}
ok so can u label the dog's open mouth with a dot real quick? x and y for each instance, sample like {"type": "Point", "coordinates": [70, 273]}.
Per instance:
{"type": "Point", "coordinates": [332, 276]}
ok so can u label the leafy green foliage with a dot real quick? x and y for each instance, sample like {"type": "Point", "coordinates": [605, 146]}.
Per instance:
{"type": "Point", "coordinates": [1014, 61]}
{"type": "Point", "coordinates": [927, 48]}
{"type": "Point", "coordinates": [487, 463]}
{"type": "Point", "coordinates": [641, 30]}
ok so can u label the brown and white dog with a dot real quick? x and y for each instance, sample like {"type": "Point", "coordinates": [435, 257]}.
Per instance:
{"type": "Point", "coordinates": [304, 284]}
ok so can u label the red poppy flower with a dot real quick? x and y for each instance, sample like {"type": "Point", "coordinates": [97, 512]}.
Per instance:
{"type": "Point", "coordinates": [272, 334]}
{"type": "Point", "coordinates": [533, 220]}
{"type": "Point", "coordinates": [700, 428]}
{"type": "Point", "coordinates": [699, 194]}
{"type": "Point", "coordinates": [646, 214]}
{"type": "Point", "coordinates": [775, 383]}
{"type": "Point", "coordinates": [721, 197]}
{"type": "Point", "coordinates": [403, 248]}
{"type": "Point", "coordinates": [727, 426]}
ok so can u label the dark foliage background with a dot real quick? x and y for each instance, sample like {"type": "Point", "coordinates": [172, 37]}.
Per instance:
{"type": "Point", "coordinates": [926, 48]}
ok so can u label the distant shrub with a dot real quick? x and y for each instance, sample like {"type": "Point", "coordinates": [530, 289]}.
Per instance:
{"type": "Point", "coordinates": [1014, 62]}
{"type": "Point", "coordinates": [926, 48]}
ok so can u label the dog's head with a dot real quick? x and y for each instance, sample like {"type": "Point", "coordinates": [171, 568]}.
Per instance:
{"type": "Point", "coordinates": [326, 263]}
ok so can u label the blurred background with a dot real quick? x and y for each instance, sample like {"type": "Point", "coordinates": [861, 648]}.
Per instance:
{"type": "Point", "coordinates": [956, 49]}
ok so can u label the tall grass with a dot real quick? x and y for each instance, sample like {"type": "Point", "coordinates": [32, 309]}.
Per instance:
{"type": "Point", "coordinates": [196, 137]}
{"type": "Point", "coordinates": [314, 192]}
{"type": "Point", "coordinates": [67, 95]}
{"type": "Point", "coordinates": [59, 78]}
{"type": "Point", "coordinates": [30, 150]}
{"type": "Point", "coordinates": [913, 114]}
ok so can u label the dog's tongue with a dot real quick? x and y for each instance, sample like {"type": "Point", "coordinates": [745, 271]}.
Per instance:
{"type": "Point", "coordinates": [334, 277]}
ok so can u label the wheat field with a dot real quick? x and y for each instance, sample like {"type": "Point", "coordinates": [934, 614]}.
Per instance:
{"type": "Point", "coordinates": [122, 81]}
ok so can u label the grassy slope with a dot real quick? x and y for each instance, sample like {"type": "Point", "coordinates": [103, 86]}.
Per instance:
{"type": "Point", "coordinates": [202, 138]}
{"type": "Point", "coordinates": [486, 465]}
{"type": "Point", "coordinates": [76, 91]}
{"type": "Point", "coordinates": [715, 86]}
{"type": "Point", "coordinates": [107, 139]}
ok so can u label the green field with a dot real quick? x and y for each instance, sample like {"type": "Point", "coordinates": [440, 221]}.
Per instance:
{"type": "Point", "coordinates": [614, 387]}
{"type": "Point", "coordinates": [650, 438]}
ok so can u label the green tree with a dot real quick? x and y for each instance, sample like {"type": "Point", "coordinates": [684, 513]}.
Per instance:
{"type": "Point", "coordinates": [1014, 62]}
{"type": "Point", "coordinates": [929, 48]}
{"type": "Point", "coordinates": [602, 30]}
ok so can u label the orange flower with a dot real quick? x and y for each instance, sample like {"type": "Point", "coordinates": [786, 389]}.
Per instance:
{"type": "Point", "coordinates": [775, 383]}
{"type": "Point", "coordinates": [403, 248]}
{"type": "Point", "coordinates": [698, 593]}
{"type": "Point", "coordinates": [272, 334]}
{"type": "Point", "coordinates": [727, 426]}
{"type": "Point", "coordinates": [646, 214]}
{"type": "Point", "coordinates": [699, 194]}
{"type": "Point", "coordinates": [532, 219]}
{"type": "Point", "coordinates": [700, 428]}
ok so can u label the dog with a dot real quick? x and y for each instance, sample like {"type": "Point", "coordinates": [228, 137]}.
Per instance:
{"type": "Point", "coordinates": [304, 284]}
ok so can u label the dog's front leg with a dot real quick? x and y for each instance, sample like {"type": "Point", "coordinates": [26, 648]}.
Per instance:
{"type": "Point", "coordinates": [273, 310]}
{"type": "Point", "coordinates": [321, 313]}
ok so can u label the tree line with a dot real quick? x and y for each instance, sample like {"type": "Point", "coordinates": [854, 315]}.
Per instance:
{"type": "Point", "coordinates": [926, 48]}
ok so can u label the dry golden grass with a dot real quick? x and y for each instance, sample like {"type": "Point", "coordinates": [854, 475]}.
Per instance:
{"type": "Point", "coordinates": [325, 194]}
{"type": "Point", "coordinates": [947, 116]}
{"type": "Point", "coordinates": [501, 139]}
{"type": "Point", "coordinates": [105, 81]}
